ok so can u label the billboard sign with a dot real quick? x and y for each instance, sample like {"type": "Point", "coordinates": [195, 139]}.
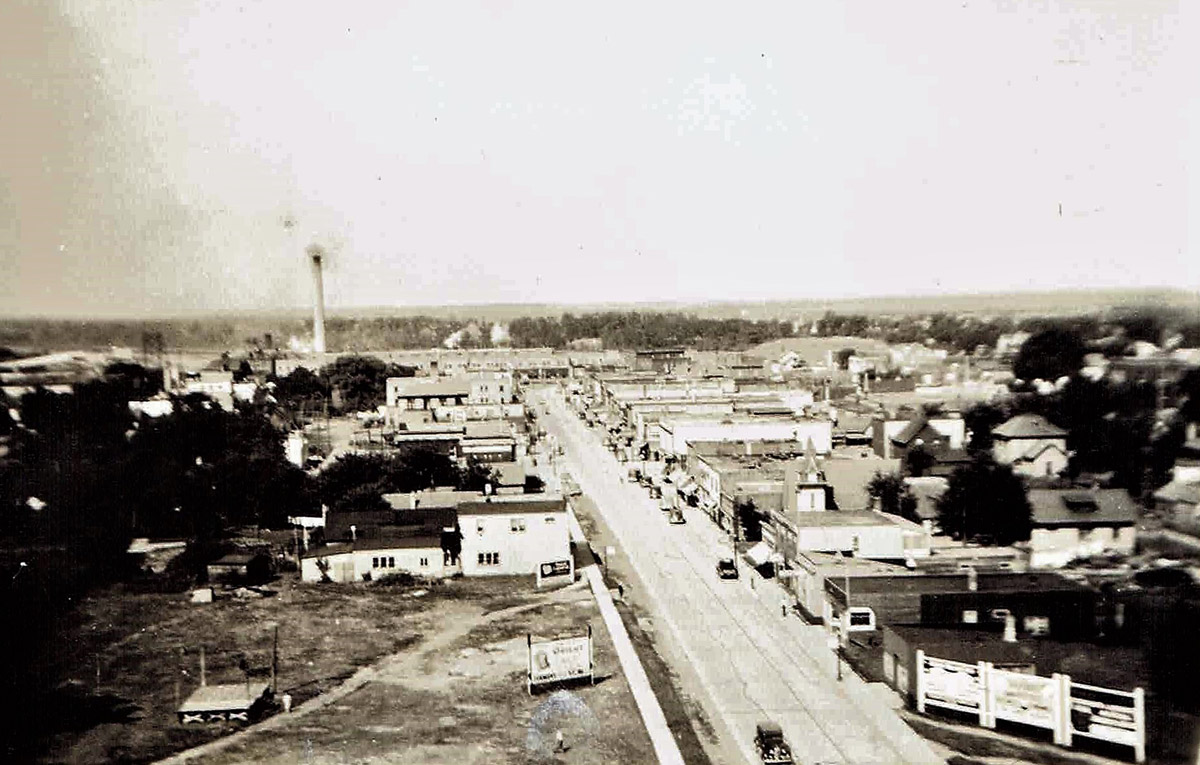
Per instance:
{"type": "Point", "coordinates": [556, 661]}
{"type": "Point", "coordinates": [951, 684]}
{"type": "Point", "coordinates": [556, 568]}
{"type": "Point", "coordinates": [1021, 698]}
{"type": "Point", "coordinates": [1106, 714]}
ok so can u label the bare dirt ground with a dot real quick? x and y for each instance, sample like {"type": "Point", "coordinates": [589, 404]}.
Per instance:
{"type": "Point", "coordinates": [444, 671]}
{"type": "Point", "coordinates": [460, 697]}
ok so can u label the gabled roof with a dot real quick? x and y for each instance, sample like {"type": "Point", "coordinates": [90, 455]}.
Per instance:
{"type": "Point", "coordinates": [1037, 449]}
{"type": "Point", "coordinates": [1028, 426]}
{"type": "Point", "coordinates": [1075, 507]}
{"type": "Point", "coordinates": [919, 426]}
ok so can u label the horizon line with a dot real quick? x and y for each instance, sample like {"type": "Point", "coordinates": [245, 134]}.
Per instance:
{"type": "Point", "coordinates": [415, 309]}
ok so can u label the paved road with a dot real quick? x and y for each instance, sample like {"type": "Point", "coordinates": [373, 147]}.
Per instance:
{"type": "Point", "coordinates": [753, 662]}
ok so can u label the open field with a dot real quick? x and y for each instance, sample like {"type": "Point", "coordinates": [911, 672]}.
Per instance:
{"type": "Point", "coordinates": [813, 349]}
{"type": "Point", "coordinates": [428, 666]}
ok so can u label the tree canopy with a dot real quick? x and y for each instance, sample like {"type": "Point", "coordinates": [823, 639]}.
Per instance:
{"type": "Point", "coordinates": [893, 495]}
{"type": "Point", "coordinates": [1050, 354]}
{"type": "Point", "coordinates": [985, 502]}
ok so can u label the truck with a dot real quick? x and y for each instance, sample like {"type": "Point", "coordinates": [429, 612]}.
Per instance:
{"type": "Point", "coordinates": [773, 748]}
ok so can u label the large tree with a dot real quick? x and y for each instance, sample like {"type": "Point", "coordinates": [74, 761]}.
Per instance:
{"type": "Point", "coordinates": [1050, 354]}
{"type": "Point", "coordinates": [892, 495]}
{"type": "Point", "coordinates": [981, 420]}
{"type": "Point", "coordinates": [985, 502]}
{"type": "Point", "coordinates": [362, 380]}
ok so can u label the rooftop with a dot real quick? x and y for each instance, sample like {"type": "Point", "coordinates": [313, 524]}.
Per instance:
{"type": "Point", "coordinates": [987, 582]}
{"type": "Point", "coordinates": [1081, 507]}
{"type": "Point", "coordinates": [417, 387]}
{"type": "Point", "coordinates": [1028, 426]}
{"type": "Point", "coordinates": [389, 542]}
{"type": "Point", "coordinates": [519, 506]}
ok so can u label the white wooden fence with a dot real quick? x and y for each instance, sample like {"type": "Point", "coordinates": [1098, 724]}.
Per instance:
{"type": "Point", "coordinates": [1069, 710]}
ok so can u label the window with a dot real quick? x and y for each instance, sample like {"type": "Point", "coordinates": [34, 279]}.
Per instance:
{"type": "Point", "coordinates": [1000, 614]}
{"type": "Point", "coordinates": [391, 562]}
{"type": "Point", "coordinates": [550, 519]}
{"type": "Point", "coordinates": [970, 617]}
{"type": "Point", "coordinates": [517, 525]}
{"type": "Point", "coordinates": [489, 559]}
{"type": "Point", "coordinates": [481, 558]}
{"type": "Point", "coordinates": [374, 562]}
{"type": "Point", "coordinates": [424, 562]}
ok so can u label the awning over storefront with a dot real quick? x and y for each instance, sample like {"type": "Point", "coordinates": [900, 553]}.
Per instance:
{"type": "Point", "coordinates": [759, 554]}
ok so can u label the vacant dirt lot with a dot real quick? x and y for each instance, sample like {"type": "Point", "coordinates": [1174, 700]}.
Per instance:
{"type": "Point", "coordinates": [449, 669]}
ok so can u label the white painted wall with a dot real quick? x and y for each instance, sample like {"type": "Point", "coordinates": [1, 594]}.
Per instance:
{"type": "Point", "coordinates": [350, 566]}
{"type": "Point", "coordinates": [523, 541]}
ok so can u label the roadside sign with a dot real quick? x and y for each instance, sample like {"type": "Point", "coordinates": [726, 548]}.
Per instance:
{"type": "Point", "coordinates": [555, 661]}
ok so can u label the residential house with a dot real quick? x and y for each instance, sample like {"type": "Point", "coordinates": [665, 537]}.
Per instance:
{"type": "Point", "coordinates": [1032, 445]}
{"type": "Point", "coordinates": [513, 537]}
{"type": "Point", "coordinates": [891, 437]}
{"type": "Point", "coordinates": [932, 434]}
{"type": "Point", "coordinates": [1073, 523]}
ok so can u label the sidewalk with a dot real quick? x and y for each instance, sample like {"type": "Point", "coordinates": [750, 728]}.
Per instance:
{"type": "Point", "coordinates": [652, 715]}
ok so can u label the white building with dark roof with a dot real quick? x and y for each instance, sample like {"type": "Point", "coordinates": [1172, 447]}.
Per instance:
{"type": "Point", "coordinates": [1070, 524]}
{"type": "Point", "coordinates": [1032, 445]}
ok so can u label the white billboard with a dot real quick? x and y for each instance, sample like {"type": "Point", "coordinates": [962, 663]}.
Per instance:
{"type": "Point", "coordinates": [950, 684]}
{"type": "Point", "coordinates": [555, 661]}
{"type": "Point", "coordinates": [1021, 698]}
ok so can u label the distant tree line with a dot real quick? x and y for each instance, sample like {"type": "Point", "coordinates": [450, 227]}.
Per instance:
{"type": "Point", "coordinates": [636, 329]}
{"type": "Point", "coordinates": [1112, 334]}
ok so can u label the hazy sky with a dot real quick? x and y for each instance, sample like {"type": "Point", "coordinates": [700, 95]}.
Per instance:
{"type": "Point", "coordinates": [452, 152]}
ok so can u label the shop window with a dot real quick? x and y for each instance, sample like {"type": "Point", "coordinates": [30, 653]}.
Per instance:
{"type": "Point", "coordinates": [970, 616]}
{"type": "Point", "coordinates": [517, 525]}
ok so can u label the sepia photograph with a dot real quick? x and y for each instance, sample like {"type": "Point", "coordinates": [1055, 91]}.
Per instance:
{"type": "Point", "coordinates": [508, 382]}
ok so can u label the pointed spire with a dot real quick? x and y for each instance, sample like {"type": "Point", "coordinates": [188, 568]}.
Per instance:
{"type": "Point", "coordinates": [811, 470]}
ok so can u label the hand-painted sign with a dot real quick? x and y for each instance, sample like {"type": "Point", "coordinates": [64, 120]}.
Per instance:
{"type": "Point", "coordinates": [554, 661]}
{"type": "Point", "coordinates": [951, 684]}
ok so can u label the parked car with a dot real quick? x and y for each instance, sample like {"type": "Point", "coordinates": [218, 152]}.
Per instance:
{"type": "Point", "coordinates": [676, 517]}
{"type": "Point", "coordinates": [727, 568]}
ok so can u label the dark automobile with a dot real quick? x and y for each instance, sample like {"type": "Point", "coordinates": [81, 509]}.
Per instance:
{"type": "Point", "coordinates": [727, 568]}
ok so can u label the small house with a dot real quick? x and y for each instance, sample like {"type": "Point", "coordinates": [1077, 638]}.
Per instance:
{"type": "Point", "coordinates": [1032, 445]}
{"type": "Point", "coordinates": [1072, 523]}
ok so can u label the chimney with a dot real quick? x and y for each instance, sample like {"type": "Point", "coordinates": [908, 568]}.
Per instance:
{"type": "Point", "coordinates": [316, 254]}
{"type": "Point", "coordinates": [1010, 629]}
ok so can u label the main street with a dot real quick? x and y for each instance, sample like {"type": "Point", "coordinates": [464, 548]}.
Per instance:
{"type": "Point", "coordinates": [753, 662]}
